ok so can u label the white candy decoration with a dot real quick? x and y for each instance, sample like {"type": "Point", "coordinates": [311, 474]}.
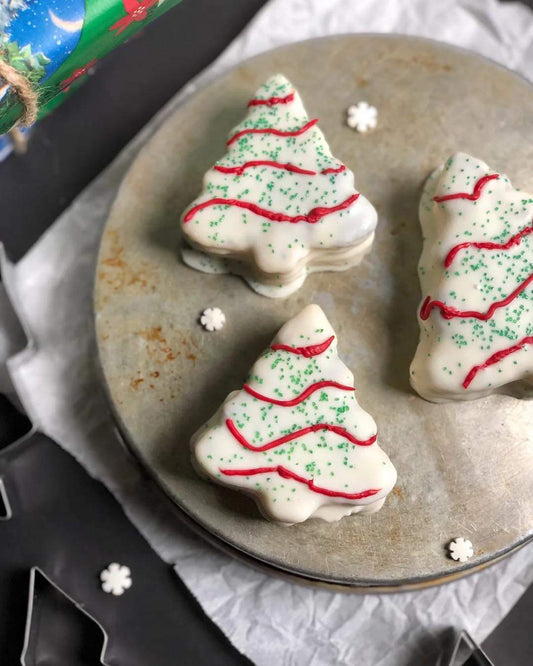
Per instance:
{"type": "Point", "coordinates": [213, 319]}
{"type": "Point", "coordinates": [278, 205]}
{"type": "Point", "coordinates": [476, 277]}
{"type": "Point", "coordinates": [460, 549]}
{"type": "Point", "coordinates": [294, 437]}
{"type": "Point", "coordinates": [361, 117]}
{"type": "Point", "coordinates": [116, 579]}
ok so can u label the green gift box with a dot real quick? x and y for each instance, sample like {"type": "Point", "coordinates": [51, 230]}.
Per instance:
{"type": "Point", "coordinates": [48, 46]}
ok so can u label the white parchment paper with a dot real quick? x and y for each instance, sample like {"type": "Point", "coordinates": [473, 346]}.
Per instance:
{"type": "Point", "coordinates": [271, 621]}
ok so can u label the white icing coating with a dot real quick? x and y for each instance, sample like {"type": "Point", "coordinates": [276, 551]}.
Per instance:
{"type": "Point", "coordinates": [324, 472]}
{"type": "Point", "coordinates": [467, 357]}
{"type": "Point", "coordinates": [361, 117]}
{"type": "Point", "coordinates": [277, 254]}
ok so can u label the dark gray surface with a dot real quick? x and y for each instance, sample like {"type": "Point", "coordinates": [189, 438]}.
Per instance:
{"type": "Point", "coordinates": [511, 643]}
{"type": "Point", "coordinates": [71, 527]}
{"type": "Point", "coordinates": [68, 150]}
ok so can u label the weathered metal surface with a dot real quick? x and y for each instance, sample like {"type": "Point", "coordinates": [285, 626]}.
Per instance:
{"type": "Point", "coordinates": [464, 469]}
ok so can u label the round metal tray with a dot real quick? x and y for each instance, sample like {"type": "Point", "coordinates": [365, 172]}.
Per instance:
{"type": "Point", "coordinates": [463, 469]}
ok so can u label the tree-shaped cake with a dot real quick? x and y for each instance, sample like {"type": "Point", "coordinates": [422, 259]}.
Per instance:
{"type": "Point", "coordinates": [476, 274]}
{"type": "Point", "coordinates": [294, 437]}
{"type": "Point", "coordinates": [278, 204]}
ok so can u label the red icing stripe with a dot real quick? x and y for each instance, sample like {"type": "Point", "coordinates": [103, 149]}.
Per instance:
{"type": "Point", "coordinates": [514, 240]}
{"type": "Point", "coordinates": [271, 101]}
{"type": "Point", "coordinates": [478, 189]}
{"type": "Point", "coordinates": [287, 474]}
{"type": "Point", "coordinates": [496, 358]}
{"type": "Point", "coordinates": [239, 169]}
{"type": "Point", "coordinates": [314, 215]}
{"type": "Point", "coordinates": [272, 130]}
{"type": "Point", "coordinates": [449, 312]}
{"type": "Point", "coordinates": [307, 352]}
{"type": "Point", "coordinates": [339, 169]}
{"type": "Point", "coordinates": [254, 163]}
{"type": "Point", "coordinates": [300, 398]}
{"type": "Point", "coordinates": [296, 435]}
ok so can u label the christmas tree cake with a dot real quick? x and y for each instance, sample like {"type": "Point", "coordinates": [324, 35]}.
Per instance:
{"type": "Point", "coordinates": [278, 205]}
{"type": "Point", "coordinates": [294, 437]}
{"type": "Point", "coordinates": [476, 275]}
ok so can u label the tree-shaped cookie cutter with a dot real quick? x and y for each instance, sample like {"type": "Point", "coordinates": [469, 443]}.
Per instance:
{"type": "Point", "coordinates": [37, 576]}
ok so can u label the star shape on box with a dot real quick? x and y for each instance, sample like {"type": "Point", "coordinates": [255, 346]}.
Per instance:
{"type": "Point", "coordinates": [361, 117]}
{"type": "Point", "coordinates": [460, 549]}
{"type": "Point", "coordinates": [116, 579]}
{"type": "Point", "coordinates": [213, 319]}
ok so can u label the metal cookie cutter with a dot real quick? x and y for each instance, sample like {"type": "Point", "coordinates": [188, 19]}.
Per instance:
{"type": "Point", "coordinates": [45, 602]}
{"type": "Point", "coordinates": [467, 652]}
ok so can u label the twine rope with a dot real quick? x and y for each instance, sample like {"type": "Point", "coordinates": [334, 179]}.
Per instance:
{"type": "Point", "coordinates": [24, 91]}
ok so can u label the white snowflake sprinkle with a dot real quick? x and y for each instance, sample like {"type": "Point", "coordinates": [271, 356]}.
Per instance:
{"type": "Point", "coordinates": [460, 549]}
{"type": "Point", "coordinates": [213, 319]}
{"type": "Point", "coordinates": [362, 117]}
{"type": "Point", "coordinates": [116, 579]}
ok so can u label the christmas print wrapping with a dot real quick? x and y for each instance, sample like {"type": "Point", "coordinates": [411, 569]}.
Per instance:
{"type": "Point", "coordinates": [54, 43]}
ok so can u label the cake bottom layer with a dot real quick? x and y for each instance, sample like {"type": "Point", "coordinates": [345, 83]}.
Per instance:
{"type": "Point", "coordinates": [277, 285]}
